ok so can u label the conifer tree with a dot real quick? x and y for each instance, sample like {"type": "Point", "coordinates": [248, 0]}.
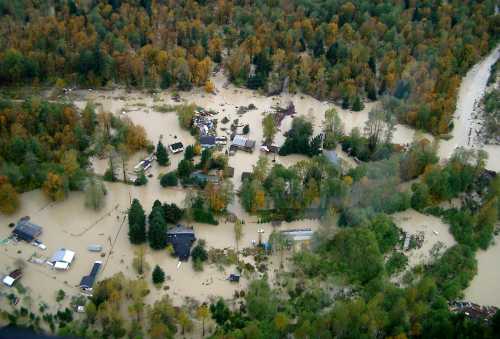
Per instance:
{"type": "Point", "coordinates": [137, 223]}
{"type": "Point", "coordinates": [162, 155]}
{"type": "Point", "coordinates": [157, 228]}
{"type": "Point", "coordinates": [158, 275]}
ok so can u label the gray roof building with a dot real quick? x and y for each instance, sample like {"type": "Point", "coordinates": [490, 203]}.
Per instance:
{"type": "Point", "coordinates": [26, 230]}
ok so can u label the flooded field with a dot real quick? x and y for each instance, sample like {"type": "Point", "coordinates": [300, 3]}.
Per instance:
{"type": "Point", "coordinates": [70, 225]}
{"type": "Point", "coordinates": [435, 232]}
{"type": "Point", "coordinates": [485, 287]}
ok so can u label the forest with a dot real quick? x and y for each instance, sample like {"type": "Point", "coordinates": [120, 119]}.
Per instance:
{"type": "Point", "coordinates": [48, 145]}
{"type": "Point", "coordinates": [414, 51]}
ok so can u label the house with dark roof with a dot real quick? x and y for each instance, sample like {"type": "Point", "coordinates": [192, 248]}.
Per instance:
{"type": "Point", "coordinates": [181, 238]}
{"type": "Point", "coordinates": [207, 141]}
{"type": "Point", "coordinates": [201, 177]}
{"type": "Point", "coordinates": [27, 231]}
{"type": "Point", "coordinates": [176, 147]}
{"type": "Point", "coordinates": [88, 281]}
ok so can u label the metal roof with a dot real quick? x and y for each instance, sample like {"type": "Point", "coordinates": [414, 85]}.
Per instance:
{"type": "Point", "coordinates": [27, 230]}
{"type": "Point", "coordinates": [63, 255]}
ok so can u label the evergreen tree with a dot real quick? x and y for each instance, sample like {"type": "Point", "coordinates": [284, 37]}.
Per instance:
{"type": "Point", "coordinates": [141, 179]}
{"type": "Point", "coordinates": [137, 223]}
{"type": "Point", "coordinates": [169, 180]}
{"type": "Point", "coordinates": [189, 153]}
{"type": "Point", "coordinates": [158, 275]}
{"type": "Point", "coordinates": [357, 105]}
{"type": "Point", "coordinates": [162, 155]}
{"type": "Point", "coordinates": [345, 102]}
{"type": "Point", "coordinates": [157, 228]}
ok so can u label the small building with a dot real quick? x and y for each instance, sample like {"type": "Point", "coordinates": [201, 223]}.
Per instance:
{"type": "Point", "coordinates": [207, 141]}
{"type": "Point", "coordinates": [242, 143]}
{"type": "Point", "coordinates": [94, 248]}
{"type": "Point", "coordinates": [62, 259]}
{"type": "Point", "coordinates": [181, 238]}
{"type": "Point", "coordinates": [176, 147]}
{"type": "Point", "coordinates": [302, 234]}
{"type": "Point", "coordinates": [88, 281]}
{"type": "Point", "coordinates": [13, 276]}
{"type": "Point", "coordinates": [27, 231]}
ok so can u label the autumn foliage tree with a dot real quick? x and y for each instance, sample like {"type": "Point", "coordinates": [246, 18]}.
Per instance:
{"type": "Point", "coordinates": [55, 187]}
{"type": "Point", "coordinates": [9, 198]}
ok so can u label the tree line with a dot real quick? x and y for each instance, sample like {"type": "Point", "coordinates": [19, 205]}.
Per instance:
{"type": "Point", "coordinates": [346, 50]}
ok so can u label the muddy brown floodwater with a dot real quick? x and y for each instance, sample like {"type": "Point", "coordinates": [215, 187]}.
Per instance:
{"type": "Point", "coordinates": [68, 224]}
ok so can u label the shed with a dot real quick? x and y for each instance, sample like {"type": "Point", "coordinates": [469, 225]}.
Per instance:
{"type": "Point", "coordinates": [234, 277]}
{"type": "Point", "coordinates": [181, 238]}
{"type": "Point", "coordinates": [88, 281]}
{"type": "Point", "coordinates": [94, 248]}
{"type": "Point", "coordinates": [176, 147]}
{"type": "Point", "coordinates": [26, 230]}
{"type": "Point", "coordinates": [207, 141]}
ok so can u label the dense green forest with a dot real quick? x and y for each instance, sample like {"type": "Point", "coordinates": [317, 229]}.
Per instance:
{"type": "Point", "coordinates": [341, 50]}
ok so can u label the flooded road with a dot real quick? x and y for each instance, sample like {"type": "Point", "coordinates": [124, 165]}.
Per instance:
{"type": "Point", "coordinates": [471, 91]}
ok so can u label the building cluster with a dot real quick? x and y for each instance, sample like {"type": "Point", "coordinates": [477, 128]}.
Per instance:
{"type": "Point", "coordinates": [473, 311]}
{"type": "Point", "coordinates": [61, 260]}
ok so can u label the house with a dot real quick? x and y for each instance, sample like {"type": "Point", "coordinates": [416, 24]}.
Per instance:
{"type": "Point", "coordinates": [62, 259]}
{"type": "Point", "coordinates": [242, 143]}
{"type": "Point", "coordinates": [207, 141]}
{"type": "Point", "coordinates": [181, 238]}
{"type": "Point", "coordinates": [200, 177]}
{"type": "Point", "coordinates": [27, 231]}
{"type": "Point", "coordinates": [12, 277]}
{"type": "Point", "coordinates": [176, 147]}
{"type": "Point", "coordinates": [88, 281]}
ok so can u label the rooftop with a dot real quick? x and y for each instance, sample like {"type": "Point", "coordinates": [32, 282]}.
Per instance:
{"type": "Point", "coordinates": [27, 230]}
{"type": "Point", "coordinates": [63, 255]}
{"type": "Point", "coordinates": [176, 145]}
